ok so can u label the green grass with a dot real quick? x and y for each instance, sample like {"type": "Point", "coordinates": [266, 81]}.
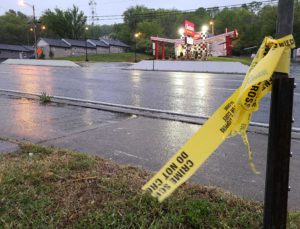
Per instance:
{"type": "Point", "coordinates": [129, 57]}
{"type": "Point", "coordinates": [52, 188]}
{"type": "Point", "coordinates": [243, 60]}
{"type": "Point", "coordinates": [109, 57]}
{"type": "Point", "coordinates": [45, 98]}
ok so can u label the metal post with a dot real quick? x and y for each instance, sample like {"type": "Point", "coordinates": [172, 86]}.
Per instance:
{"type": "Point", "coordinates": [86, 56]}
{"type": "Point", "coordinates": [162, 50]}
{"type": "Point", "coordinates": [135, 49]}
{"type": "Point", "coordinates": [153, 53]}
{"type": "Point", "coordinates": [34, 32]}
{"type": "Point", "coordinates": [86, 43]}
{"type": "Point", "coordinates": [156, 50]}
{"type": "Point", "coordinates": [27, 37]}
{"type": "Point", "coordinates": [279, 142]}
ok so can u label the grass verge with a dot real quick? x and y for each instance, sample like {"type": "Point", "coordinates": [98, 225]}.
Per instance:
{"type": "Point", "coordinates": [51, 188]}
{"type": "Point", "coordinates": [243, 60]}
{"type": "Point", "coordinates": [129, 57]}
{"type": "Point", "coordinates": [109, 57]}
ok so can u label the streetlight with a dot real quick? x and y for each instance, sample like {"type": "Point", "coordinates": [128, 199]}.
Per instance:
{"type": "Point", "coordinates": [86, 56]}
{"type": "Point", "coordinates": [181, 31]}
{"type": "Point", "coordinates": [136, 35]}
{"type": "Point", "coordinates": [204, 28]}
{"type": "Point", "coordinates": [212, 24]}
{"type": "Point", "coordinates": [23, 3]}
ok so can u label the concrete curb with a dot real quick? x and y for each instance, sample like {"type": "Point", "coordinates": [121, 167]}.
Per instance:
{"type": "Point", "coordinates": [220, 67]}
{"type": "Point", "coordinates": [127, 109]}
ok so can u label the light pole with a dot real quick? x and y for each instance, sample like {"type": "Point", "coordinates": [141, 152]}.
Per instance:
{"type": "Point", "coordinates": [212, 24]}
{"type": "Point", "coordinates": [136, 36]}
{"type": "Point", "coordinates": [86, 56]}
{"type": "Point", "coordinates": [23, 3]}
{"type": "Point", "coordinates": [30, 30]}
{"type": "Point", "coordinates": [181, 32]}
{"type": "Point", "coordinates": [204, 29]}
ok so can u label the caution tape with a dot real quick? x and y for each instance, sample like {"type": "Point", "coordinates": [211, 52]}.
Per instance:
{"type": "Point", "coordinates": [230, 119]}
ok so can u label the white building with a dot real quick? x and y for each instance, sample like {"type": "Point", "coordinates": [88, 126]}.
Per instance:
{"type": "Point", "coordinates": [79, 47]}
{"type": "Point", "coordinates": [53, 48]}
{"type": "Point", "coordinates": [115, 46]}
{"type": "Point", "coordinates": [101, 47]}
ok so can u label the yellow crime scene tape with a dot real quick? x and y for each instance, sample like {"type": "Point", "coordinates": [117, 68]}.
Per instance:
{"type": "Point", "coordinates": [230, 119]}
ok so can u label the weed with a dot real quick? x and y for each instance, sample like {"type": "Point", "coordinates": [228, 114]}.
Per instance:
{"type": "Point", "coordinates": [44, 98]}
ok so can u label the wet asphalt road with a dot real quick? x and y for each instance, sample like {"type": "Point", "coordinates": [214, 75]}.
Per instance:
{"type": "Point", "coordinates": [194, 93]}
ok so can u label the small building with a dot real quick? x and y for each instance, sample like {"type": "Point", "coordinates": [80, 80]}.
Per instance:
{"type": "Point", "coordinates": [101, 47]}
{"type": "Point", "coordinates": [115, 46]}
{"type": "Point", "coordinates": [296, 55]}
{"type": "Point", "coordinates": [16, 51]}
{"type": "Point", "coordinates": [54, 48]}
{"type": "Point", "coordinates": [79, 47]}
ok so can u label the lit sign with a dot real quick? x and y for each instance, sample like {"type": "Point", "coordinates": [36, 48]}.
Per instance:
{"type": "Point", "coordinates": [189, 28]}
{"type": "Point", "coordinates": [189, 40]}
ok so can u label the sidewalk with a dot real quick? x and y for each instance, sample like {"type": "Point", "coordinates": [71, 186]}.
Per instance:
{"type": "Point", "coordinates": [53, 63]}
{"type": "Point", "coordinates": [7, 147]}
{"type": "Point", "coordinates": [141, 141]}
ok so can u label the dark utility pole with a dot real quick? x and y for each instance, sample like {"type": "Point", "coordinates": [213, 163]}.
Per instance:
{"type": "Point", "coordinates": [34, 32]}
{"type": "Point", "coordinates": [279, 142]}
{"type": "Point", "coordinates": [135, 60]}
{"type": "Point", "coordinates": [86, 44]}
{"type": "Point", "coordinates": [86, 56]}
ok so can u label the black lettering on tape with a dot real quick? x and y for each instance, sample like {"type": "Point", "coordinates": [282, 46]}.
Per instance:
{"type": "Point", "coordinates": [176, 177]}
{"type": "Point", "coordinates": [162, 190]}
{"type": "Point", "coordinates": [254, 88]}
{"type": "Point", "coordinates": [173, 166]}
{"type": "Point", "coordinates": [228, 120]}
{"type": "Point", "coordinates": [251, 94]}
{"type": "Point", "coordinates": [155, 185]}
{"type": "Point", "coordinates": [190, 163]}
{"type": "Point", "coordinates": [185, 168]}
{"type": "Point", "coordinates": [180, 159]}
{"type": "Point", "coordinates": [228, 105]}
{"type": "Point", "coordinates": [165, 176]}
{"type": "Point", "coordinates": [182, 171]}
{"type": "Point", "coordinates": [184, 155]}
{"type": "Point", "coordinates": [169, 171]}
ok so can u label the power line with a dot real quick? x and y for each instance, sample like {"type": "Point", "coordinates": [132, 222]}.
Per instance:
{"type": "Point", "coordinates": [171, 12]}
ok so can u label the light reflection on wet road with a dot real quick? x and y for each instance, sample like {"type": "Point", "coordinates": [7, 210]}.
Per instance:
{"type": "Point", "coordinates": [194, 93]}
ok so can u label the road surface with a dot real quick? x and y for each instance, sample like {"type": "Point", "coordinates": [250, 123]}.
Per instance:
{"type": "Point", "coordinates": [194, 93]}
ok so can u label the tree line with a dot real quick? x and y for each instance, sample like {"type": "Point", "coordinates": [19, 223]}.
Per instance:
{"type": "Point", "coordinates": [253, 21]}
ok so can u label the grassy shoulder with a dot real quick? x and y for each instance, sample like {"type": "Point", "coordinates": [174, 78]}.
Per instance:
{"type": "Point", "coordinates": [130, 57]}
{"type": "Point", "coordinates": [243, 60]}
{"type": "Point", "coordinates": [51, 188]}
{"type": "Point", "coordinates": [109, 57]}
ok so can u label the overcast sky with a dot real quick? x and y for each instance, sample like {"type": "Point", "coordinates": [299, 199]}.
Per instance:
{"type": "Point", "coordinates": [112, 7]}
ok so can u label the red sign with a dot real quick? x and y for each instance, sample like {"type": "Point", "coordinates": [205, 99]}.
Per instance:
{"type": "Point", "coordinates": [197, 36]}
{"type": "Point", "coordinates": [39, 51]}
{"type": "Point", "coordinates": [189, 28]}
